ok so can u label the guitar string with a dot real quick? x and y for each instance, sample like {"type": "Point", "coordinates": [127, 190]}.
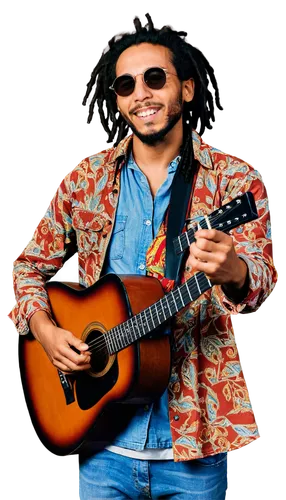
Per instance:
{"type": "Point", "coordinates": [102, 342]}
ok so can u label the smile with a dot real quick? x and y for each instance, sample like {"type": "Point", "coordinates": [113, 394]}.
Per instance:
{"type": "Point", "coordinates": [147, 112]}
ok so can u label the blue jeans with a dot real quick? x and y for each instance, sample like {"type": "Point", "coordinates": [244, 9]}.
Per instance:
{"type": "Point", "coordinates": [109, 475]}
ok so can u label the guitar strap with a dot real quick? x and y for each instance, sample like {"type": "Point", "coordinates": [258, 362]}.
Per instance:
{"type": "Point", "coordinates": [178, 212]}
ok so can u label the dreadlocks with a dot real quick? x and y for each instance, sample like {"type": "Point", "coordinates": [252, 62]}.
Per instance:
{"type": "Point", "coordinates": [189, 63]}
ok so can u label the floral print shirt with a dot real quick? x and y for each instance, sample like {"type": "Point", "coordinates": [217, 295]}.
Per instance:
{"type": "Point", "coordinates": [209, 407]}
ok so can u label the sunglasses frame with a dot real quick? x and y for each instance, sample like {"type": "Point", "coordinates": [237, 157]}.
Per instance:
{"type": "Point", "coordinates": [135, 76]}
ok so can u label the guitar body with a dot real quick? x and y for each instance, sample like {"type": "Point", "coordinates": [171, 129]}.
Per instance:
{"type": "Point", "coordinates": [64, 409]}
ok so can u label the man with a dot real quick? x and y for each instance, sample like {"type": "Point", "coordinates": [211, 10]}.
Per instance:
{"type": "Point", "coordinates": [113, 210]}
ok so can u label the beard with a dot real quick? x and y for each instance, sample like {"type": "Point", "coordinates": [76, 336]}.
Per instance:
{"type": "Point", "coordinates": [154, 138]}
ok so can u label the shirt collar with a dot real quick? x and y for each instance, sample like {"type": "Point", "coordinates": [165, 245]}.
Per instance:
{"type": "Point", "coordinates": [201, 151]}
{"type": "Point", "coordinates": [171, 168]}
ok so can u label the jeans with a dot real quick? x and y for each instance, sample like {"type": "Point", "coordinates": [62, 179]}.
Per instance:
{"type": "Point", "coordinates": [109, 475]}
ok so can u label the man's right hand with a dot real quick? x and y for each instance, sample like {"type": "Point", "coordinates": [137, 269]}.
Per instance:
{"type": "Point", "coordinates": [58, 344]}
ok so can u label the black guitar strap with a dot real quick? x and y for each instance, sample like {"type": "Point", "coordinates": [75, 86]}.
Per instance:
{"type": "Point", "coordinates": [180, 198]}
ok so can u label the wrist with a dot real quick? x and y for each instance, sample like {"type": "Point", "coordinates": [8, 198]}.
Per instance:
{"type": "Point", "coordinates": [240, 276]}
{"type": "Point", "coordinates": [237, 289]}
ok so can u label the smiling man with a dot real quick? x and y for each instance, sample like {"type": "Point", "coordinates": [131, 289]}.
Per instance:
{"type": "Point", "coordinates": [154, 115]}
{"type": "Point", "coordinates": [149, 118]}
{"type": "Point", "coordinates": [113, 210]}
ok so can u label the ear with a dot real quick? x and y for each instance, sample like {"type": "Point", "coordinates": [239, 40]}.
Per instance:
{"type": "Point", "coordinates": [188, 90]}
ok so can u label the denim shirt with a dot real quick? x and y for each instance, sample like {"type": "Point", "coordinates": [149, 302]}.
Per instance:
{"type": "Point", "coordinates": [137, 222]}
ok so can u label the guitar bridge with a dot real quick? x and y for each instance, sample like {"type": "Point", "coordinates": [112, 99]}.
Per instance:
{"type": "Point", "coordinates": [67, 388]}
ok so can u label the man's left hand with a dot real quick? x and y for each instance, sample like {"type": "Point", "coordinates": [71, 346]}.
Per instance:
{"type": "Point", "coordinates": [213, 253]}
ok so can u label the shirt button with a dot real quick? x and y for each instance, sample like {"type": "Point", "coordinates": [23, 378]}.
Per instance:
{"type": "Point", "coordinates": [146, 407]}
{"type": "Point", "coordinates": [142, 267]}
{"type": "Point", "coordinates": [176, 417]}
{"type": "Point", "coordinates": [148, 222]}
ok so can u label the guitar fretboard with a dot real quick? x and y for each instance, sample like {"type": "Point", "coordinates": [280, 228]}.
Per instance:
{"type": "Point", "coordinates": [152, 317]}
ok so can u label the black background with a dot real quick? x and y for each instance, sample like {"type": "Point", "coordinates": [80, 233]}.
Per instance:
{"type": "Point", "coordinates": [52, 60]}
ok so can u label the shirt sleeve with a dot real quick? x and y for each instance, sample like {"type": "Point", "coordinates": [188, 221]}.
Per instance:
{"type": "Point", "coordinates": [253, 244]}
{"type": "Point", "coordinates": [52, 244]}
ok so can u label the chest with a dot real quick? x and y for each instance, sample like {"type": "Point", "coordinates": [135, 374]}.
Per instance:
{"type": "Point", "coordinates": [155, 181]}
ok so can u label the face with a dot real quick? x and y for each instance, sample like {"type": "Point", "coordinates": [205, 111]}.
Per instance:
{"type": "Point", "coordinates": [152, 114]}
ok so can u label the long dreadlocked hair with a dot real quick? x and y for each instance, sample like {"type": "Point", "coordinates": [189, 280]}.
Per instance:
{"type": "Point", "coordinates": [189, 63]}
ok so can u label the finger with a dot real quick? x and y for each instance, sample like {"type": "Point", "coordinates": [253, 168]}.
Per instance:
{"type": "Point", "coordinates": [203, 255]}
{"type": "Point", "coordinates": [209, 268]}
{"type": "Point", "coordinates": [212, 234]}
{"type": "Point", "coordinates": [61, 366]}
{"type": "Point", "coordinates": [205, 245]}
{"type": "Point", "coordinates": [75, 342]}
{"type": "Point", "coordinates": [202, 244]}
{"type": "Point", "coordinates": [85, 360]}
{"type": "Point", "coordinates": [71, 355]}
{"type": "Point", "coordinates": [72, 367]}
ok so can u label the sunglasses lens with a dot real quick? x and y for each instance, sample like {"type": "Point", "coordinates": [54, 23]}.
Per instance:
{"type": "Point", "coordinates": [155, 78]}
{"type": "Point", "coordinates": [124, 85]}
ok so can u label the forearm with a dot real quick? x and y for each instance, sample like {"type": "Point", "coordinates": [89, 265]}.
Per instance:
{"type": "Point", "coordinates": [38, 323]}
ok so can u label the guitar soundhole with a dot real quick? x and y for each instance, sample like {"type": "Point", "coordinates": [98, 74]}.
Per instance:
{"type": "Point", "coordinates": [100, 357]}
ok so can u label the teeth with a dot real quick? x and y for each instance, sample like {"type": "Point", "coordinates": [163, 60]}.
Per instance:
{"type": "Point", "coordinates": [147, 113]}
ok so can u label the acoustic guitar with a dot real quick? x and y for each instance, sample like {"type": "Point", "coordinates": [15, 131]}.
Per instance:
{"type": "Point", "coordinates": [120, 318]}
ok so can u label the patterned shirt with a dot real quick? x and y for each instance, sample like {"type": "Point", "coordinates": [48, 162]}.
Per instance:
{"type": "Point", "coordinates": [209, 406]}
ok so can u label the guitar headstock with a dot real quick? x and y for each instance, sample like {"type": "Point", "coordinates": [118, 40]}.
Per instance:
{"type": "Point", "coordinates": [238, 211]}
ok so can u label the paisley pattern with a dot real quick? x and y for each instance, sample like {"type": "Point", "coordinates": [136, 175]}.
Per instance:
{"type": "Point", "coordinates": [209, 406]}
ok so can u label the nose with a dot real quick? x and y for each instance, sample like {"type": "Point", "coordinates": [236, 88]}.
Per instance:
{"type": "Point", "coordinates": [141, 91]}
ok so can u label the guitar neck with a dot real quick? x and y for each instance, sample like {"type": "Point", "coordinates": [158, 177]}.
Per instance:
{"type": "Point", "coordinates": [152, 317]}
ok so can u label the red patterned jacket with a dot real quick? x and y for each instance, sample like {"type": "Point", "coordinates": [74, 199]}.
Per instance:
{"type": "Point", "coordinates": [209, 406]}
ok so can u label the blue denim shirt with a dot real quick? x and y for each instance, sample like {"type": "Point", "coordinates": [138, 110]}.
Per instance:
{"type": "Point", "coordinates": [137, 222]}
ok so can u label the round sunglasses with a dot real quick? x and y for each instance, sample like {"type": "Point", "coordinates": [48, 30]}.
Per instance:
{"type": "Point", "coordinates": [154, 78]}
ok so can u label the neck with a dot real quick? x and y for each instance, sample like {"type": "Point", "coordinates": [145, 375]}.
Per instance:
{"type": "Point", "coordinates": [160, 155]}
